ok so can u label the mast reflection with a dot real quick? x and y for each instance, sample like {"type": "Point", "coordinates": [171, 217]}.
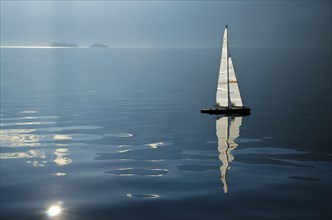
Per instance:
{"type": "Point", "coordinates": [227, 133]}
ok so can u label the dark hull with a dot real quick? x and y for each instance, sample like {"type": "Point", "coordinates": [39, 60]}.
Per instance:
{"type": "Point", "coordinates": [232, 111]}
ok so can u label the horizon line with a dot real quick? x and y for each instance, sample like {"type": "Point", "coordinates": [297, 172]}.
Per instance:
{"type": "Point", "coordinates": [110, 47]}
{"type": "Point", "coordinates": [154, 46]}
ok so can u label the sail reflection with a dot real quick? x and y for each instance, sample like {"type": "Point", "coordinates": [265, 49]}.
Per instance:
{"type": "Point", "coordinates": [226, 143]}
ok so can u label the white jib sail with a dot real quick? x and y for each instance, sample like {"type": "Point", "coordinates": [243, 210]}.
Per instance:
{"type": "Point", "coordinates": [234, 91]}
{"type": "Point", "coordinates": [222, 134]}
{"type": "Point", "coordinates": [222, 90]}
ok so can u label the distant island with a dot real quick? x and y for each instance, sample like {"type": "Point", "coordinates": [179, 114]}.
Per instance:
{"type": "Point", "coordinates": [98, 45]}
{"type": "Point", "coordinates": [63, 44]}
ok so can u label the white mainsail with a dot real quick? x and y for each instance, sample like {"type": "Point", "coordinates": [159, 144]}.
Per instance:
{"type": "Point", "coordinates": [234, 91]}
{"type": "Point", "coordinates": [222, 90]}
{"type": "Point", "coordinates": [226, 144]}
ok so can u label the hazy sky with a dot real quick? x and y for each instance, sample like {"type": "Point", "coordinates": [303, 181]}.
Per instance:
{"type": "Point", "coordinates": [166, 23]}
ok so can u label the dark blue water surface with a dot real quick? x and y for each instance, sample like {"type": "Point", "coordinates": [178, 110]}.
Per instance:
{"type": "Point", "coordinates": [118, 134]}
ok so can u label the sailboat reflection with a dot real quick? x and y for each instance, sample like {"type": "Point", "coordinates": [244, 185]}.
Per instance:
{"type": "Point", "coordinates": [226, 143]}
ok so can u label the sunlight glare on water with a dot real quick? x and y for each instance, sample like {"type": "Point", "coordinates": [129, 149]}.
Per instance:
{"type": "Point", "coordinates": [54, 210]}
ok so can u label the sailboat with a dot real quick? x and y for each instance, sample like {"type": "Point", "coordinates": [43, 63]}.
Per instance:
{"type": "Point", "coordinates": [228, 96]}
{"type": "Point", "coordinates": [227, 133]}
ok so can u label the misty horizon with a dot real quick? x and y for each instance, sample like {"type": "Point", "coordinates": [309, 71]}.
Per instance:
{"type": "Point", "coordinates": [166, 23]}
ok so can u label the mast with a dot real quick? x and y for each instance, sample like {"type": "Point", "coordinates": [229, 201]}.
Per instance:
{"type": "Point", "coordinates": [229, 98]}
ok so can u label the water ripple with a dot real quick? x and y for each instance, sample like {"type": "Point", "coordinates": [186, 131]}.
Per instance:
{"type": "Point", "coordinates": [61, 157]}
{"type": "Point", "coordinates": [147, 196]}
{"type": "Point", "coordinates": [37, 163]}
{"type": "Point", "coordinates": [28, 112]}
{"type": "Point", "coordinates": [158, 144]}
{"type": "Point", "coordinates": [29, 118]}
{"type": "Point", "coordinates": [304, 178]}
{"type": "Point", "coordinates": [23, 138]}
{"type": "Point", "coordinates": [16, 131]}
{"type": "Point", "coordinates": [28, 123]}
{"type": "Point", "coordinates": [119, 135]}
{"type": "Point", "coordinates": [28, 154]}
{"type": "Point", "coordinates": [19, 140]}
{"type": "Point", "coordinates": [138, 172]}
{"type": "Point", "coordinates": [59, 174]}
{"type": "Point", "coordinates": [239, 140]}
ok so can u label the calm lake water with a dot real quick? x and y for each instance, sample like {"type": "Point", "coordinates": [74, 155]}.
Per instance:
{"type": "Point", "coordinates": [118, 134]}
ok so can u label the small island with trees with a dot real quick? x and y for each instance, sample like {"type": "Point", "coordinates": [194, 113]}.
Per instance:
{"type": "Point", "coordinates": [63, 44]}
{"type": "Point", "coordinates": [98, 45]}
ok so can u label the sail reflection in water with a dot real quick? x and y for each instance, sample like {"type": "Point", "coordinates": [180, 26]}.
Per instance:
{"type": "Point", "coordinates": [226, 143]}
